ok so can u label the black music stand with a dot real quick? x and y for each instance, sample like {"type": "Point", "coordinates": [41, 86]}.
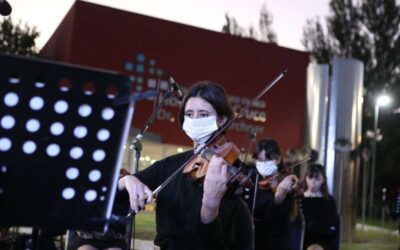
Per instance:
{"type": "Point", "coordinates": [61, 143]}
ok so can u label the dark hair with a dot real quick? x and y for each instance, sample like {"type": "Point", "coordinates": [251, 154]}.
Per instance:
{"type": "Point", "coordinates": [211, 92]}
{"type": "Point", "coordinates": [316, 169]}
{"type": "Point", "coordinates": [271, 148]}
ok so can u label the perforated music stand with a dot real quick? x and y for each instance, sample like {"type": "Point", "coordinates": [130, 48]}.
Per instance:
{"type": "Point", "coordinates": [61, 143]}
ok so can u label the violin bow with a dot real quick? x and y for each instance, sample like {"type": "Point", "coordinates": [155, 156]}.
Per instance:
{"type": "Point", "coordinates": [293, 165]}
{"type": "Point", "coordinates": [252, 140]}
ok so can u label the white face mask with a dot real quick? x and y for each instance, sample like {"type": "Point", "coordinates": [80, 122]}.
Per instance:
{"type": "Point", "coordinates": [200, 129]}
{"type": "Point", "coordinates": [266, 168]}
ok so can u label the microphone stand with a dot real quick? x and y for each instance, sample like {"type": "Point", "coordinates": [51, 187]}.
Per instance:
{"type": "Point", "coordinates": [135, 150]}
{"type": "Point", "coordinates": [255, 194]}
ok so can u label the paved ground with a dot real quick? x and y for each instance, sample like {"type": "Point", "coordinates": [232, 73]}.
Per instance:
{"type": "Point", "coordinates": [374, 228]}
{"type": "Point", "coordinates": [148, 244]}
{"type": "Point", "coordinates": [144, 245]}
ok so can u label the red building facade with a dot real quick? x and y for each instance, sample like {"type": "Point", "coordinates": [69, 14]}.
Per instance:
{"type": "Point", "coordinates": [148, 49]}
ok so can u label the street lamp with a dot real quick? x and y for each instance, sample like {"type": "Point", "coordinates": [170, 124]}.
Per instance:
{"type": "Point", "coordinates": [382, 100]}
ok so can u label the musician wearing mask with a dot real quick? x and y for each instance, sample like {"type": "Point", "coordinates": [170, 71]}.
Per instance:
{"type": "Point", "coordinates": [271, 199]}
{"type": "Point", "coordinates": [192, 214]}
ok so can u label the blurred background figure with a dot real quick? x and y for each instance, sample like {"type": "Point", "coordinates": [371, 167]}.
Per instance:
{"type": "Point", "coordinates": [322, 223]}
{"type": "Point", "coordinates": [396, 207]}
{"type": "Point", "coordinates": [271, 199]}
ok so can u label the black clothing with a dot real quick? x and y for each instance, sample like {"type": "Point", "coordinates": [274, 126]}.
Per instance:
{"type": "Point", "coordinates": [271, 221]}
{"type": "Point", "coordinates": [322, 222]}
{"type": "Point", "coordinates": [115, 235]}
{"type": "Point", "coordinates": [397, 210]}
{"type": "Point", "coordinates": [178, 212]}
{"type": "Point", "coordinates": [95, 239]}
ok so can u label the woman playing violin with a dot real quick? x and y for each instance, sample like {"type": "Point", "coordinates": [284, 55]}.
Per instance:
{"type": "Point", "coordinates": [193, 215]}
{"type": "Point", "coordinates": [273, 199]}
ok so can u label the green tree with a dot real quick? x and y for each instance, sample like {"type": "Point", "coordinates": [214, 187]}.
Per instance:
{"type": "Point", "coordinates": [17, 39]}
{"type": "Point", "coordinates": [265, 34]}
{"type": "Point", "coordinates": [317, 42]}
{"type": "Point", "coordinates": [368, 30]}
{"type": "Point", "coordinates": [232, 27]}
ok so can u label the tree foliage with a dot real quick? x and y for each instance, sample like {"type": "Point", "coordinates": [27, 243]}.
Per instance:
{"type": "Point", "coordinates": [17, 39]}
{"type": "Point", "coordinates": [232, 27]}
{"type": "Point", "coordinates": [368, 30]}
{"type": "Point", "coordinates": [265, 33]}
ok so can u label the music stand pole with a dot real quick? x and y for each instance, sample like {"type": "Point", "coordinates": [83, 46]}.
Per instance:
{"type": "Point", "coordinates": [36, 235]}
{"type": "Point", "coordinates": [135, 148]}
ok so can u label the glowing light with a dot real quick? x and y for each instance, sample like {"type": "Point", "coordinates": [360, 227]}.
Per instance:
{"type": "Point", "coordinates": [383, 100]}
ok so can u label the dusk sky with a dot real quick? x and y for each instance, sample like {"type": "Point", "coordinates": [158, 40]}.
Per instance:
{"type": "Point", "coordinates": [289, 16]}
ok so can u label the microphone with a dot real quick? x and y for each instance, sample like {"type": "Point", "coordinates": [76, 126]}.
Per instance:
{"type": "Point", "coordinates": [5, 8]}
{"type": "Point", "coordinates": [174, 87]}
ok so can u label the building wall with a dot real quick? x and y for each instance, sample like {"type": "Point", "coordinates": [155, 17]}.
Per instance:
{"type": "Point", "coordinates": [145, 48]}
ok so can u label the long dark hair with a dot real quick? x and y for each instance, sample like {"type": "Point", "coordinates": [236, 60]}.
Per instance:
{"type": "Point", "coordinates": [316, 169]}
{"type": "Point", "coordinates": [211, 92]}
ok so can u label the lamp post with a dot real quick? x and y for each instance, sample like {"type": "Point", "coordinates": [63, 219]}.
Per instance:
{"type": "Point", "coordinates": [5, 8]}
{"type": "Point", "coordinates": [366, 153]}
{"type": "Point", "coordinates": [382, 100]}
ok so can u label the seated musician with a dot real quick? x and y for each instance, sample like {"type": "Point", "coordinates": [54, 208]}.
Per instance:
{"type": "Point", "coordinates": [272, 203]}
{"type": "Point", "coordinates": [195, 215]}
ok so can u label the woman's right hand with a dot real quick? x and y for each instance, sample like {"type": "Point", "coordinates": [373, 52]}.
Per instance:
{"type": "Point", "coordinates": [139, 193]}
{"type": "Point", "coordinates": [284, 187]}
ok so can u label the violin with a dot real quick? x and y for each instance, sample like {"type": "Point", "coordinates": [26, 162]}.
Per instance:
{"type": "Point", "coordinates": [197, 168]}
{"type": "Point", "coordinates": [271, 182]}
